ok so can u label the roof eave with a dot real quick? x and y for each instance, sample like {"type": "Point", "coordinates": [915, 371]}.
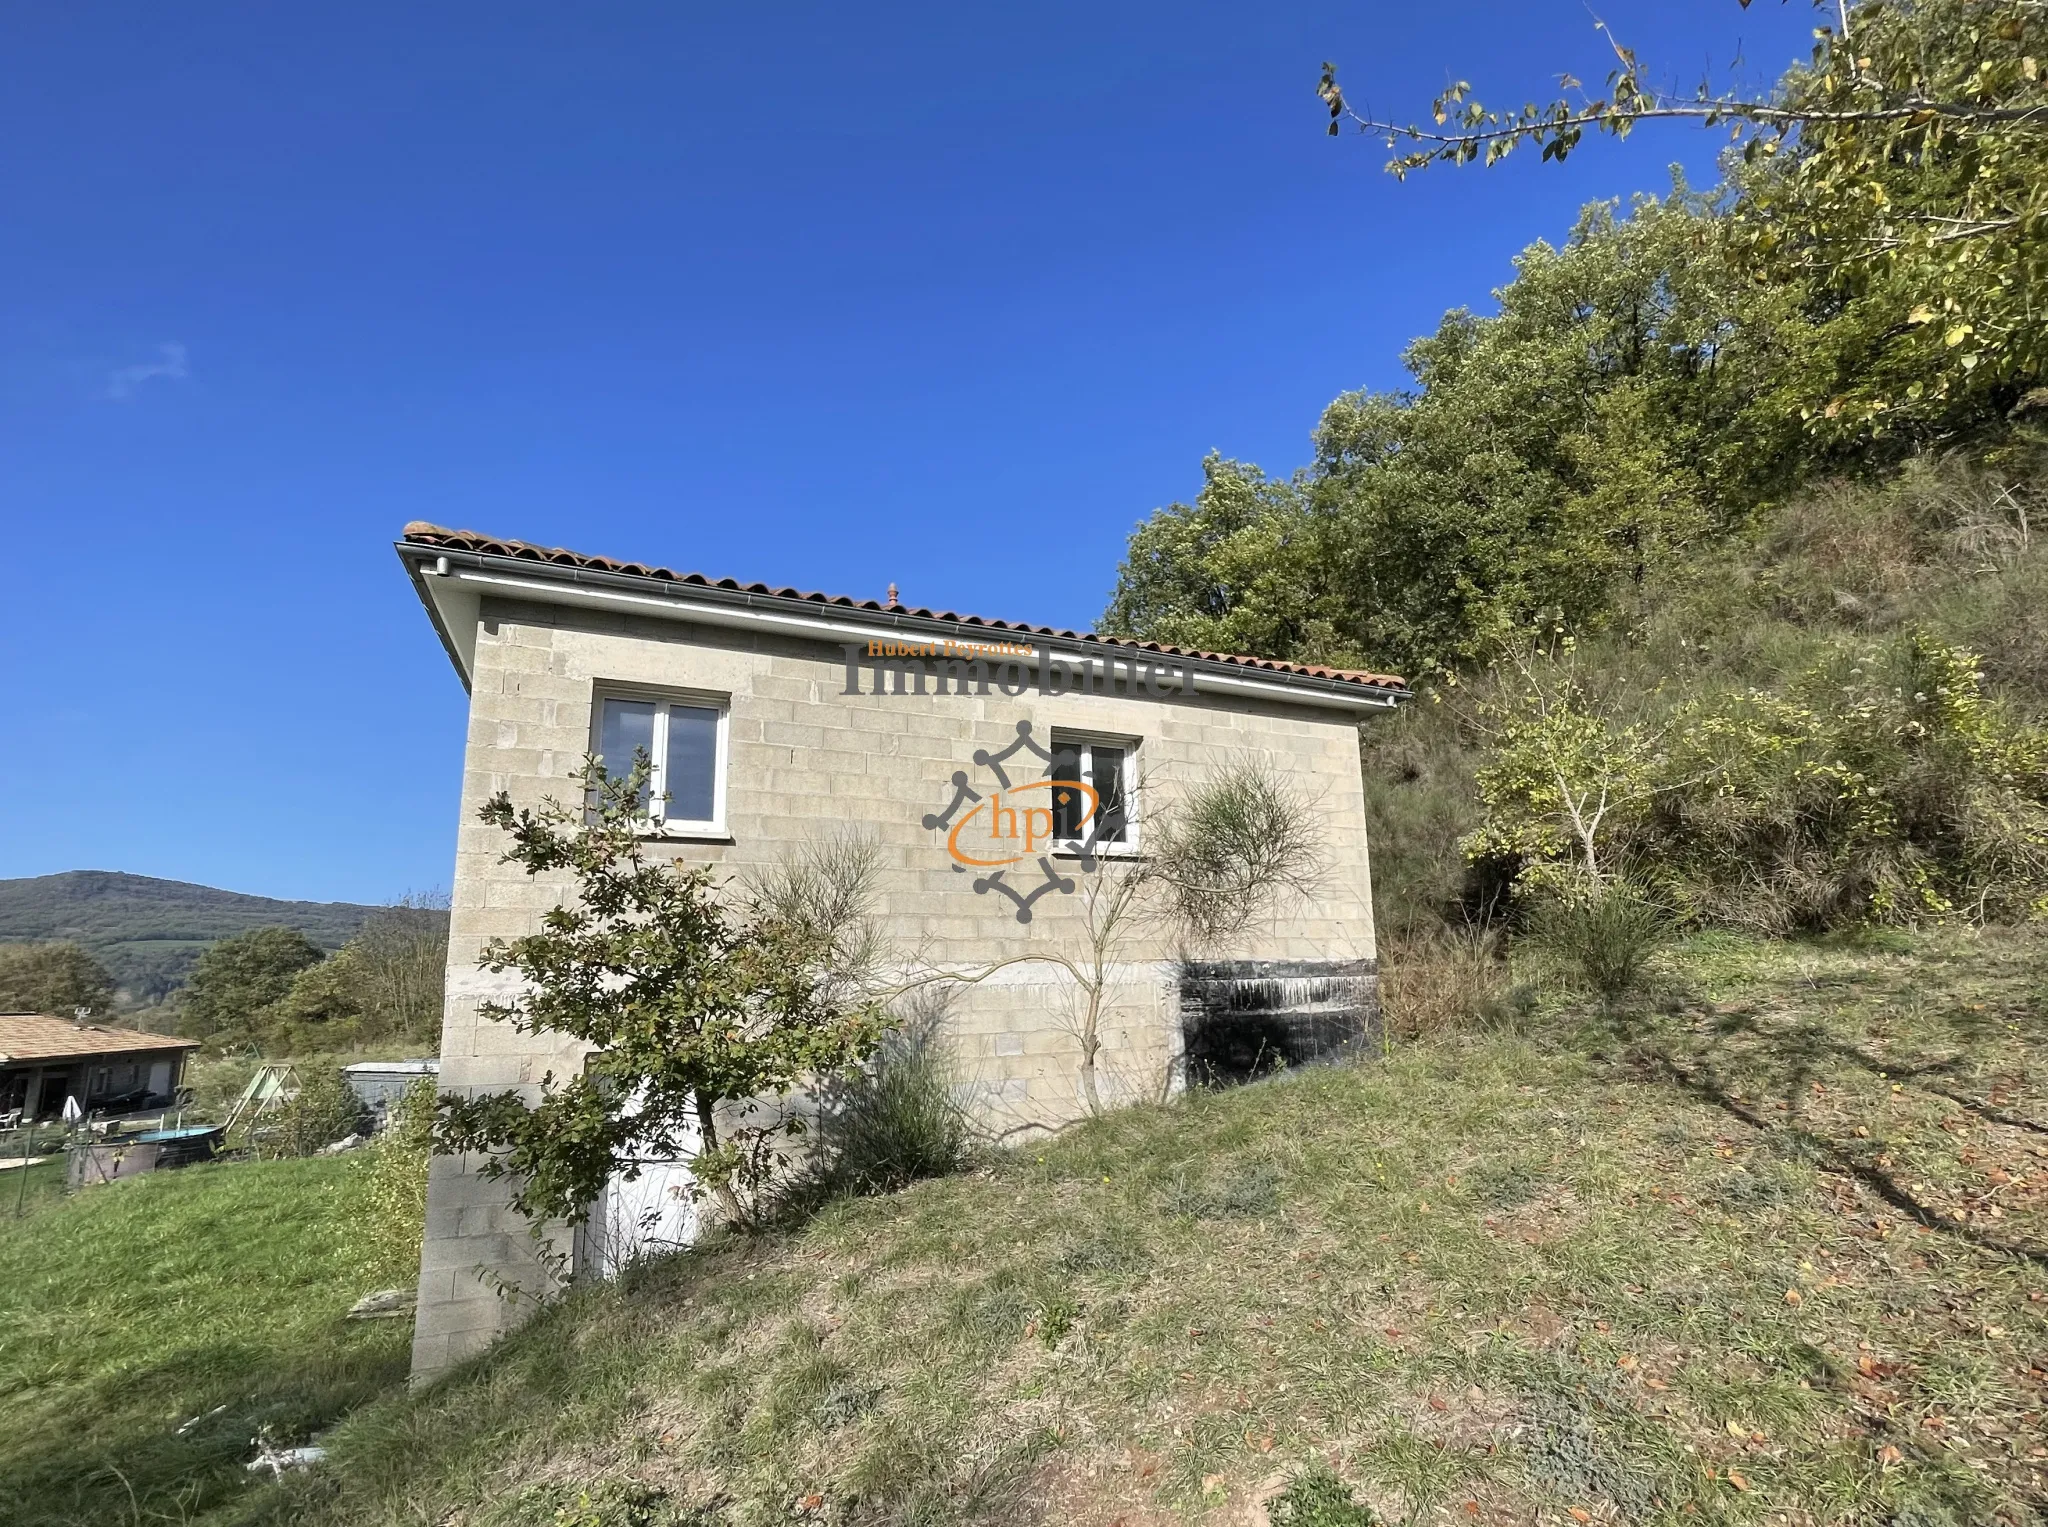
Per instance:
{"type": "Point", "coordinates": [429, 565]}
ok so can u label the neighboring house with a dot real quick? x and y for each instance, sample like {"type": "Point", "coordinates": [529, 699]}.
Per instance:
{"type": "Point", "coordinates": [776, 718]}
{"type": "Point", "coordinates": [45, 1060]}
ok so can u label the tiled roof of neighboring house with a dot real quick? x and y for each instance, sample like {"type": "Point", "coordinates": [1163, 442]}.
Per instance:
{"type": "Point", "coordinates": [419, 533]}
{"type": "Point", "coordinates": [34, 1036]}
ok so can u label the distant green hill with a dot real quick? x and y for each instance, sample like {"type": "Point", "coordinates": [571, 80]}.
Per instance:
{"type": "Point", "coordinates": [149, 933]}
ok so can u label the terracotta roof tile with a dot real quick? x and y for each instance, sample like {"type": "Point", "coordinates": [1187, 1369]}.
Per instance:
{"type": "Point", "coordinates": [36, 1036]}
{"type": "Point", "coordinates": [420, 533]}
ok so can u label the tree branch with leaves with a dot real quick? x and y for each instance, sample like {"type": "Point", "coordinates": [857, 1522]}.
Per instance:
{"type": "Point", "coordinates": [1570, 767]}
{"type": "Point", "coordinates": [698, 1016]}
{"type": "Point", "coordinates": [1905, 166]}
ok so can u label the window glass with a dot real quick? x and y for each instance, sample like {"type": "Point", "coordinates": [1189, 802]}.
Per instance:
{"type": "Point", "coordinates": [1067, 805]}
{"type": "Point", "coordinates": [692, 775]}
{"type": "Point", "coordinates": [1109, 785]}
{"type": "Point", "coordinates": [627, 725]}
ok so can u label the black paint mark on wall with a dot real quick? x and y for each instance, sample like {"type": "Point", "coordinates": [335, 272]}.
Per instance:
{"type": "Point", "coordinates": [1243, 1019]}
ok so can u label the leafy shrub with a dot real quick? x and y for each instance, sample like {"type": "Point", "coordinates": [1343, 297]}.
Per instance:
{"type": "Point", "coordinates": [1316, 1497]}
{"type": "Point", "coordinates": [1881, 784]}
{"type": "Point", "coordinates": [1605, 933]}
{"type": "Point", "coordinates": [1862, 782]}
{"type": "Point", "coordinates": [326, 1110]}
{"type": "Point", "coordinates": [398, 1186]}
{"type": "Point", "coordinates": [894, 1123]}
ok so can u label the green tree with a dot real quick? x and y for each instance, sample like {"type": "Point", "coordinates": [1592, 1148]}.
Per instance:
{"type": "Point", "coordinates": [54, 978]}
{"type": "Point", "coordinates": [1242, 569]}
{"type": "Point", "coordinates": [1633, 399]}
{"type": "Point", "coordinates": [700, 1018]}
{"type": "Point", "coordinates": [1576, 757]}
{"type": "Point", "coordinates": [240, 979]}
{"type": "Point", "coordinates": [1902, 174]}
{"type": "Point", "coordinates": [399, 961]}
{"type": "Point", "coordinates": [321, 1010]}
{"type": "Point", "coordinates": [383, 984]}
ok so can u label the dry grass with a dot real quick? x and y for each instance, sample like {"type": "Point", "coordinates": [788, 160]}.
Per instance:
{"type": "Point", "coordinates": [1447, 981]}
{"type": "Point", "coordinates": [1773, 1250]}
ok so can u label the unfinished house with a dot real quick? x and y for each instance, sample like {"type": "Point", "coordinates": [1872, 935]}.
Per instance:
{"type": "Point", "coordinates": [775, 718]}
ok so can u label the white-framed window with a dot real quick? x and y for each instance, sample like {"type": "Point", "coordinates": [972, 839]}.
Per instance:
{"type": "Point", "coordinates": [685, 740]}
{"type": "Point", "coordinates": [1107, 765]}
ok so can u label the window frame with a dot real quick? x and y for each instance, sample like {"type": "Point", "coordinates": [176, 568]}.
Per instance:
{"type": "Point", "coordinates": [663, 698]}
{"type": "Point", "coordinates": [1087, 743]}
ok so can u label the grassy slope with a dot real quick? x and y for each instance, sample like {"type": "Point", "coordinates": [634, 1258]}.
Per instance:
{"type": "Point", "coordinates": [131, 1308]}
{"type": "Point", "coordinates": [1776, 1251]}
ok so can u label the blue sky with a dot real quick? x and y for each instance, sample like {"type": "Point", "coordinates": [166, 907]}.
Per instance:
{"type": "Point", "coordinates": [825, 295]}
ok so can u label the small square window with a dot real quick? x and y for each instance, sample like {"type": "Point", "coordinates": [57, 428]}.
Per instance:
{"type": "Point", "coordinates": [1104, 816]}
{"type": "Point", "coordinates": [684, 741]}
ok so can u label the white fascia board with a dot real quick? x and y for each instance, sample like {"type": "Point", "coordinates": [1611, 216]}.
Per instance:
{"type": "Point", "coordinates": [459, 592]}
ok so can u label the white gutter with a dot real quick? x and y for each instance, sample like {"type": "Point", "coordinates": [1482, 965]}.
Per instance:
{"type": "Point", "coordinates": [679, 607]}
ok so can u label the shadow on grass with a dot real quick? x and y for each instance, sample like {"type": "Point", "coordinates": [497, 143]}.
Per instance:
{"type": "Point", "coordinates": [1701, 1082]}
{"type": "Point", "coordinates": [1800, 1059]}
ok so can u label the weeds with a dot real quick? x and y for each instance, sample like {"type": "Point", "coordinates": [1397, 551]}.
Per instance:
{"type": "Point", "coordinates": [1603, 934]}
{"type": "Point", "coordinates": [1316, 1497]}
{"type": "Point", "coordinates": [1447, 981]}
{"type": "Point", "coordinates": [895, 1123]}
{"type": "Point", "coordinates": [396, 1194]}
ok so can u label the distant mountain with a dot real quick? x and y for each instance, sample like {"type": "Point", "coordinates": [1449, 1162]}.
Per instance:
{"type": "Point", "coordinates": [149, 933]}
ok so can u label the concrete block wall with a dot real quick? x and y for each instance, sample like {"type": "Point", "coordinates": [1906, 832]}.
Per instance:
{"type": "Point", "coordinates": [805, 760]}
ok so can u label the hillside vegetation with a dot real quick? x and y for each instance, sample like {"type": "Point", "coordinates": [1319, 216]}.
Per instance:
{"type": "Point", "coordinates": [149, 933]}
{"type": "Point", "coordinates": [1714, 552]}
{"type": "Point", "coordinates": [1772, 1246]}
{"type": "Point", "coordinates": [1833, 720]}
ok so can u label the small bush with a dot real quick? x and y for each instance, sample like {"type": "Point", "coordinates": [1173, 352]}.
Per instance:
{"type": "Point", "coordinates": [895, 1123]}
{"type": "Point", "coordinates": [398, 1187]}
{"type": "Point", "coordinates": [326, 1110]}
{"type": "Point", "coordinates": [1605, 935]}
{"type": "Point", "coordinates": [1316, 1497]}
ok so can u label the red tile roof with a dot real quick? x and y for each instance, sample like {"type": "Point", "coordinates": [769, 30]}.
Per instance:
{"type": "Point", "coordinates": [36, 1036]}
{"type": "Point", "coordinates": [419, 533]}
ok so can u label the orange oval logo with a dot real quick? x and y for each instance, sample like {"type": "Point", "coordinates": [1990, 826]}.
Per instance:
{"type": "Point", "coordinates": [1029, 825]}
